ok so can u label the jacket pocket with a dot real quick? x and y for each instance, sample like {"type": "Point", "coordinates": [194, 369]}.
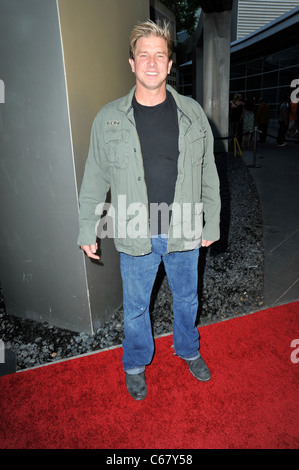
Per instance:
{"type": "Point", "coordinates": [195, 137]}
{"type": "Point", "coordinates": [117, 150]}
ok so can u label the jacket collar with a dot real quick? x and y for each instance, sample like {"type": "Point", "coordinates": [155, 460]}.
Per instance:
{"type": "Point", "coordinates": [125, 103]}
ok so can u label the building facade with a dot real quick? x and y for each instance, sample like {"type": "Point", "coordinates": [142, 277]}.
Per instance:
{"type": "Point", "coordinates": [249, 16]}
{"type": "Point", "coordinates": [265, 63]}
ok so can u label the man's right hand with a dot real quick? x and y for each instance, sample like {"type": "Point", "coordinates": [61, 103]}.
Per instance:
{"type": "Point", "coordinates": [90, 250]}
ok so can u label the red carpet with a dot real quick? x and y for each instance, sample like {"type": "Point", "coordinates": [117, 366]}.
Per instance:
{"type": "Point", "coordinates": [251, 401]}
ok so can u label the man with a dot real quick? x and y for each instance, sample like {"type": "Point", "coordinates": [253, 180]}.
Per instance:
{"type": "Point", "coordinates": [153, 147]}
{"type": "Point", "coordinates": [262, 119]}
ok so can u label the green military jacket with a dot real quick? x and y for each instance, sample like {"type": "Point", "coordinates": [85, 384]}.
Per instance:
{"type": "Point", "coordinates": [115, 163]}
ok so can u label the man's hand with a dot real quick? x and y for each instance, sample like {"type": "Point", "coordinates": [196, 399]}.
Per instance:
{"type": "Point", "coordinates": [206, 243]}
{"type": "Point", "coordinates": [90, 250]}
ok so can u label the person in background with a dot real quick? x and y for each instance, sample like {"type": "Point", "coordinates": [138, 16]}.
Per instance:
{"type": "Point", "coordinates": [248, 121]}
{"type": "Point", "coordinates": [283, 121]}
{"type": "Point", "coordinates": [262, 119]}
{"type": "Point", "coordinates": [236, 112]}
{"type": "Point", "coordinates": [292, 129]}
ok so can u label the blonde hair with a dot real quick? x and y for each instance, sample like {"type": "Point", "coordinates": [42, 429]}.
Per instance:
{"type": "Point", "coordinates": [148, 28]}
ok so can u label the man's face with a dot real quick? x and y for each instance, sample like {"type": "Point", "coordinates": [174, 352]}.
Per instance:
{"type": "Point", "coordinates": [151, 64]}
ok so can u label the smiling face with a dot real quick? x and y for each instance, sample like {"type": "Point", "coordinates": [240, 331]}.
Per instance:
{"type": "Point", "coordinates": [151, 65]}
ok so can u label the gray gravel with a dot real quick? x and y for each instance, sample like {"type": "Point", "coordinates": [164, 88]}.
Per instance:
{"type": "Point", "coordinates": [231, 282]}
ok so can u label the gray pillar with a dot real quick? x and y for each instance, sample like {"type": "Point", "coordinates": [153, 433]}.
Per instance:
{"type": "Point", "coordinates": [43, 274]}
{"type": "Point", "coordinates": [216, 71]}
{"type": "Point", "coordinates": [199, 74]}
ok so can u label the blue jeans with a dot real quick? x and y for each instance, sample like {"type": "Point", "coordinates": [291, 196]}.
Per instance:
{"type": "Point", "coordinates": [138, 277]}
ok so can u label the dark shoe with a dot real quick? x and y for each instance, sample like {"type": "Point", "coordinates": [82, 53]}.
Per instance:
{"type": "Point", "coordinates": [199, 369]}
{"type": "Point", "coordinates": [136, 386]}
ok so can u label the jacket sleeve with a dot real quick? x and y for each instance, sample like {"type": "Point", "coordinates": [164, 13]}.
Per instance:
{"type": "Point", "coordinates": [95, 185]}
{"type": "Point", "coordinates": [210, 188]}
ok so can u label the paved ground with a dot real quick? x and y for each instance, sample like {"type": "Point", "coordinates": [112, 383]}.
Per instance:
{"type": "Point", "coordinates": [276, 175]}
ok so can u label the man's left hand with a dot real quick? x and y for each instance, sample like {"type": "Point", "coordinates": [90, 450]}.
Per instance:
{"type": "Point", "coordinates": [206, 243]}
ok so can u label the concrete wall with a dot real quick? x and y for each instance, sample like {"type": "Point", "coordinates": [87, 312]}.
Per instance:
{"type": "Point", "coordinates": [60, 62]}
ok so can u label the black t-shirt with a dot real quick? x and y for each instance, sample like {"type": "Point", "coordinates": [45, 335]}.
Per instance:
{"type": "Point", "coordinates": [158, 132]}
